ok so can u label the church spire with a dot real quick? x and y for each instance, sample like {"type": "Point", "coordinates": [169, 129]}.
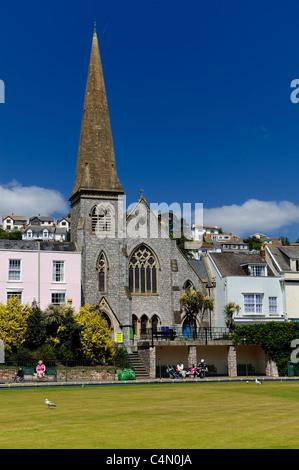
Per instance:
{"type": "Point", "coordinates": [96, 172]}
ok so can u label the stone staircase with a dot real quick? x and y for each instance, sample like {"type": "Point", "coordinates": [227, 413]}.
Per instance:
{"type": "Point", "coordinates": [140, 370]}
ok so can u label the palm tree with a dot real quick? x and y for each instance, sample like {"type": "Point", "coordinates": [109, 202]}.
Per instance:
{"type": "Point", "coordinates": [53, 318]}
{"type": "Point", "coordinates": [196, 303]}
{"type": "Point", "coordinates": [229, 310]}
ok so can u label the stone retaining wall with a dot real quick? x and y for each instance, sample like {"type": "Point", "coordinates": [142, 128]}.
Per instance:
{"type": "Point", "coordinates": [71, 374]}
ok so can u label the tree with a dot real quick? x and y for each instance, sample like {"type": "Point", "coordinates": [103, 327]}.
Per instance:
{"type": "Point", "coordinates": [14, 235]}
{"type": "Point", "coordinates": [229, 310]}
{"type": "Point", "coordinates": [96, 344]}
{"type": "Point", "coordinates": [13, 323]}
{"type": "Point", "coordinates": [35, 334]}
{"type": "Point", "coordinates": [196, 303]}
{"type": "Point", "coordinates": [68, 335]}
{"type": "Point", "coordinates": [175, 227]}
{"type": "Point", "coordinates": [285, 241]}
{"type": "Point", "coordinates": [53, 319]}
{"type": "Point", "coordinates": [254, 243]}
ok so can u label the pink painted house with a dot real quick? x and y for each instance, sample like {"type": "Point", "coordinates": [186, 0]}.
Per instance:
{"type": "Point", "coordinates": [50, 274]}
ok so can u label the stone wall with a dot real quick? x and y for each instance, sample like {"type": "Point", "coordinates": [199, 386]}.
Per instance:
{"type": "Point", "coordinates": [148, 357]}
{"type": "Point", "coordinates": [87, 373]}
{"type": "Point", "coordinates": [232, 361]}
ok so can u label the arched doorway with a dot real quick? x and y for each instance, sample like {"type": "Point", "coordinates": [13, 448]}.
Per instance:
{"type": "Point", "coordinates": [108, 321]}
{"type": "Point", "coordinates": [189, 327]}
{"type": "Point", "coordinates": [108, 315]}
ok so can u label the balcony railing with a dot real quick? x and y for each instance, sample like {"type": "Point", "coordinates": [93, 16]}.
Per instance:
{"type": "Point", "coordinates": [184, 334]}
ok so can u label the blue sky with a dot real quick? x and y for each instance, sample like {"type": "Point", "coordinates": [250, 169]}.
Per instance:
{"type": "Point", "coordinates": [199, 101]}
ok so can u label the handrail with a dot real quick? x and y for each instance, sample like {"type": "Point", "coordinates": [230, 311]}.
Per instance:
{"type": "Point", "coordinates": [179, 333]}
{"type": "Point", "coordinates": [128, 356]}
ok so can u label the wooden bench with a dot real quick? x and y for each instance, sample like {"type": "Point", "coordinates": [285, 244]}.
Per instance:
{"type": "Point", "coordinates": [167, 334]}
{"type": "Point", "coordinates": [212, 370]}
{"type": "Point", "coordinates": [30, 373]}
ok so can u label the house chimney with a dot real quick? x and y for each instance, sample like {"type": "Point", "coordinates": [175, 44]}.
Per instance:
{"type": "Point", "coordinates": [262, 252]}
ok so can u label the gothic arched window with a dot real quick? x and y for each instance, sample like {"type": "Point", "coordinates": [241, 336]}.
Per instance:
{"type": "Point", "coordinates": [135, 325]}
{"type": "Point", "coordinates": [102, 268]}
{"type": "Point", "coordinates": [143, 324]}
{"type": "Point", "coordinates": [101, 219]}
{"type": "Point", "coordinates": [143, 271]}
{"type": "Point", "coordinates": [155, 323]}
{"type": "Point", "coordinates": [188, 285]}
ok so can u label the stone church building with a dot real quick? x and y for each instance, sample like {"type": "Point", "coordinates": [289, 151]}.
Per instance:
{"type": "Point", "coordinates": [130, 266]}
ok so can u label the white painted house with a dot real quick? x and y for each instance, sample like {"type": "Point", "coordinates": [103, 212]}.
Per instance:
{"type": "Point", "coordinates": [13, 222]}
{"type": "Point", "coordinates": [284, 261]}
{"type": "Point", "coordinates": [198, 231]}
{"type": "Point", "coordinates": [247, 280]}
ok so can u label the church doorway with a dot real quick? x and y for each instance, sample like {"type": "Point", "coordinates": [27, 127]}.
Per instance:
{"type": "Point", "coordinates": [189, 327]}
{"type": "Point", "coordinates": [109, 324]}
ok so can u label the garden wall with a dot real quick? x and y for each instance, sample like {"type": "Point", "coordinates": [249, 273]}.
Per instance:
{"type": "Point", "coordinates": [63, 374]}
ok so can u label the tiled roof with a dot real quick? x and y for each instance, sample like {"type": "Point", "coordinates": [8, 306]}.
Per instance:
{"type": "Point", "coordinates": [230, 264]}
{"type": "Point", "coordinates": [32, 245]}
{"type": "Point", "coordinates": [283, 254]}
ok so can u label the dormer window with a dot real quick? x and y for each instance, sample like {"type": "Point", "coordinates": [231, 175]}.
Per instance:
{"type": "Point", "coordinates": [256, 270]}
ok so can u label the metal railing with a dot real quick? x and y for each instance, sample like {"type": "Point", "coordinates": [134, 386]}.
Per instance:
{"type": "Point", "coordinates": [128, 358]}
{"type": "Point", "coordinates": [184, 334]}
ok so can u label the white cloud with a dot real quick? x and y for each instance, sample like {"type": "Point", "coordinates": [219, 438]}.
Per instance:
{"type": "Point", "coordinates": [252, 216]}
{"type": "Point", "coordinates": [30, 200]}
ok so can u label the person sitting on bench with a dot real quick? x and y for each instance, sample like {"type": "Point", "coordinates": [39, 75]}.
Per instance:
{"type": "Point", "coordinates": [40, 370]}
{"type": "Point", "coordinates": [20, 375]}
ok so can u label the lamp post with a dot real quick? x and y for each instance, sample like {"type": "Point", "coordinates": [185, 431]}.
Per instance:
{"type": "Point", "coordinates": [38, 273]}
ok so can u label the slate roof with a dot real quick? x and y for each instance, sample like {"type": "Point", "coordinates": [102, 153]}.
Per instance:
{"type": "Point", "coordinates": [32, 245]}
{"type": "Point", "coordinates": [233, 264]}
{"type": "Point", "coordinates": [283, 255]}
{"type": "Point", "coordinates": [22, 218]}
{"type": "Point", "coordinates": [199, 267]}
{"type": "Point", "coordinates": [39, 228]}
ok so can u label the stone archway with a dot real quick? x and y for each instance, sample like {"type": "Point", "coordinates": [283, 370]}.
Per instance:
{"type": "Point", "coordinates": [189, 327]}
{"type": "Point", "coordinates": [108, 315]}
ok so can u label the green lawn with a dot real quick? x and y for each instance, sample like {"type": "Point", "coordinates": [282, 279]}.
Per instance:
{"type": "Point", "coordinates": [162, 416]}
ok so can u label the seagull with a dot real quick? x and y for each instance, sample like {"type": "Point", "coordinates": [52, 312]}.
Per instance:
{"type": "Point", "coordinates": [49, 403]}
{"type": "Point", "coordinates": [258, 382]}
